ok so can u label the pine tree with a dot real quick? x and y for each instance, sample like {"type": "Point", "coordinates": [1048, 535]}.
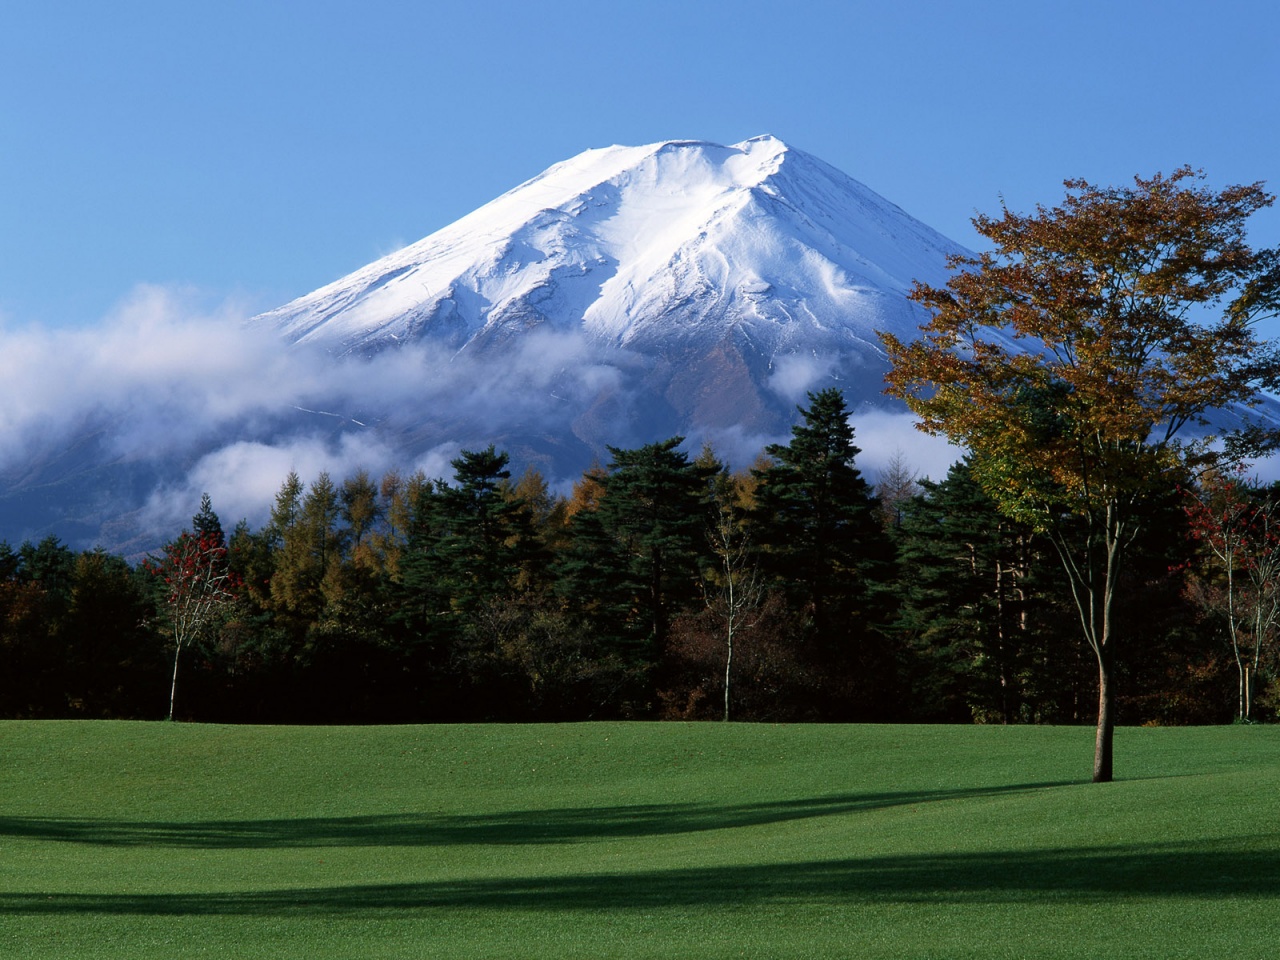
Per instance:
{"type": "Point", "coordinates": [487, 531]}
{"type": "Point", "coordinates": [655, 508]}
{"type": "Point", "coordinates": [636, 539]}
{"type": "Point", "coordinates": [206, 523]}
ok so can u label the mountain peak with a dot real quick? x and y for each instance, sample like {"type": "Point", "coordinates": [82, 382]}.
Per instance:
{"type": "Point", "coordinates": [629, 245]}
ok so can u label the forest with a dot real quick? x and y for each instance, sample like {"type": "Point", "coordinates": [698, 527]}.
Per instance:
{"type": "Point", "coordinates": [664, 586]}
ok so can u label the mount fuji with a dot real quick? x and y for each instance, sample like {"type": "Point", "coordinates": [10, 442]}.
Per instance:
{"type": "Point", "coordinates": [719, 282]}
{"type": "Point", "coordinates": [623, 296]}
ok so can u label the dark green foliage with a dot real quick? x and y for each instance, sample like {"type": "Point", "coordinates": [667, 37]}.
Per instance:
{"type": "Point", "coordinates": [634, 556]}
{"type": "Point", "coordinates": [74, 636]}
{"type": "Point", "coordinates": [487, 599]}
{"type": "Point", "coordinates": [978, 614]}
{"type": "Point", "coordinates": [486, 537]}
{"type": "Point", "coordinates": [205, 524]}
{"type": "Point", "coordinates": [655, 509]}
{"type": "Point", "coordinates": [817, 519]}
{"type": "Point", "coordinates": [823, 541]}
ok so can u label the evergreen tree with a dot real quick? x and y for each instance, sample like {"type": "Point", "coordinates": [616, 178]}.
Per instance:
{"type": "Point", "coordinates": [487, 533]}
{"type": "Point", "coordinates": [114, 667]}
{"type": "Point", "coordinates": [205, 524]}
{"type": "Point", "coordinates": [823, 542]}
{"type": "Point", "coordinates": [637, 536]}
{"type": "Point", "coordinates": [818, 521]}
{"type": "Point", "coordinates": [966, 602]}
{"type": "Point", "coordinates": [655, 508]}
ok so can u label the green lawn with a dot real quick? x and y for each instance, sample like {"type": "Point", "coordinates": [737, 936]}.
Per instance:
{"type": "Point", "coordinates": [137, 840]}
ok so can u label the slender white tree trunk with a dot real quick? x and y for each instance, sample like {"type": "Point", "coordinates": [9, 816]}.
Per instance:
{"type": "Point", "coordinates": [173, 687]}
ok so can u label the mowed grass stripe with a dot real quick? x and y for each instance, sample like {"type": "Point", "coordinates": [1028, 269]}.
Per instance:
{"type": "Point", "coordinates": [121, 839]}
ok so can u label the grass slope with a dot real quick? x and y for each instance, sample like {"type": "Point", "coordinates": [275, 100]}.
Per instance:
{"type": "Point", "coordinates": [635, 840]}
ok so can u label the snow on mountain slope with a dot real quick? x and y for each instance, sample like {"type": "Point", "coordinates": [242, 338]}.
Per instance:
{"type": "Point", "coordinates": [637, 246]}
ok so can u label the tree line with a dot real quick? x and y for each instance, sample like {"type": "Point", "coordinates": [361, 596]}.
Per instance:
{"type": "Point", "coordinates": [664, 586]}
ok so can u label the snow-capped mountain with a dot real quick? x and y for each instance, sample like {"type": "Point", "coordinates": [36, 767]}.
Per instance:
{"type": "Point", "coordinates": [623, 296]}
{"type": "Point", "coordinates": [736, 277]}
{"type": "Point", "coordinates": [681, 239]}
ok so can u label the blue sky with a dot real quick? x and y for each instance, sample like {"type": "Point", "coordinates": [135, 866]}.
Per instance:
{"type": "Point", "coordinates": [254, 151]}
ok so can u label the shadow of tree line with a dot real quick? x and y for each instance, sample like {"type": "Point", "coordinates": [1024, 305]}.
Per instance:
{"type": "Point", "coordinates": [1206, 869]}
{"type": "Point", "coordinates": [562, 825]}
{"type": "Point", "coordinates": [1075, 875]}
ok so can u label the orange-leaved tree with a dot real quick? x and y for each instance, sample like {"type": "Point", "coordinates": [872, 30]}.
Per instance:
{"type": "Point", "coordinates": [1070, 358]}
{"type": "Point", "coordinates": [198, 584]}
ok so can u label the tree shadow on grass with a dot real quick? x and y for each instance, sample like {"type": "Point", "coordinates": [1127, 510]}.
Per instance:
{"type": "Point", "coordinates": [1093, 875]}
{"type": "Point", "coordinates": [565, 825]}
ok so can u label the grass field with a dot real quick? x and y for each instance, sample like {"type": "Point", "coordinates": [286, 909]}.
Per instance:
{"type": "Point", "coordinates": [635, 840]}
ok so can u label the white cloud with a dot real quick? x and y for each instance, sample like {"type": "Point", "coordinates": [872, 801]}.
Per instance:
{"type": "Point", "coordinates": [884, 434]}
{"type": "Point", "coordinates": [795, 375]}
{"type": "Point", "coordinates": [218, 406]}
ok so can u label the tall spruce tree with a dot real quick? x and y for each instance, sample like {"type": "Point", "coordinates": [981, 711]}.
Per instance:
{"type": "Point", "coordinates": [487, 533]}
{"type": "Point", "coordinates": [818, 522]}
{"type": "Point", "coordinates": [823, 543]}
{"type": "Point", "coordinates": [655, 507]}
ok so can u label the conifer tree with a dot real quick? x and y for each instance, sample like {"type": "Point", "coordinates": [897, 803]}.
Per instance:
{"type": "Point", "coordinates": [966, 601]}
{"type": "Point", "coordinates": [818, 522]}
{"type": "Point", "coordinates": [655, 508]}
{"type": "Point", "coordinates": [487, 533]}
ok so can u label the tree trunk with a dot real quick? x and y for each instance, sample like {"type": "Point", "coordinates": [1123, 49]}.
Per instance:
{"type": "Point", "coordinates": [1106, 722]}
{"type": "Point", "coordinates": [173, 687]}
{"type": "Point", "coordinates": [728, 664]}
{"type": "Point", "coordinates": [1246, 695]}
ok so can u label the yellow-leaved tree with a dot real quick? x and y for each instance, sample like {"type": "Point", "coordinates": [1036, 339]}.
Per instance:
{"type": "Point", "coordinates": [1071, 357]}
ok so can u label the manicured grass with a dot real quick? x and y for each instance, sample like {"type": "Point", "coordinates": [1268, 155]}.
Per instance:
{"type": "Point", "coordinates": [635, 840]}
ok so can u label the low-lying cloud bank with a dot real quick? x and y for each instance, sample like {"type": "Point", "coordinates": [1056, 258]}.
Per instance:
{"type": "Point", "coordinates": [220, 406]}
{"type": "Point", "coordinates": [200, 401]}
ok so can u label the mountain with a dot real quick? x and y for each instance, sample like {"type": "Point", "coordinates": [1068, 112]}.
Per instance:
{"type": "Point", "coordinates": [620, 297]}
{"type": "Point", "coordinates": [725, 280]}
{"type": "Point", "coordinates": [623, 296]}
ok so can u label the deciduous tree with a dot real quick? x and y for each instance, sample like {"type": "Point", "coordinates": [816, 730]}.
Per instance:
{"type": "Point", "coordinates": [197, 586]}
{"type": "Point", "coordinates": [1071, 357]}
{"type": "Point", "coordinates": [1240, 527]}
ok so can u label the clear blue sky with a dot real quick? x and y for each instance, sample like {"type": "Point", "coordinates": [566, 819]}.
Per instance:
{"type": "Point", "coordinates": [259, 150]}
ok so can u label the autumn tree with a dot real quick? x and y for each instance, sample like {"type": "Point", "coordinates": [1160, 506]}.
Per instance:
{"type": "Point", "coordinates": [197, 584]}
{"type": "Point", "coordinates": [1239, 526]}
{"type": "Point", "coordinates": [310, 548]}
{"type": "Point", "coordinates": [1072, 356]}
